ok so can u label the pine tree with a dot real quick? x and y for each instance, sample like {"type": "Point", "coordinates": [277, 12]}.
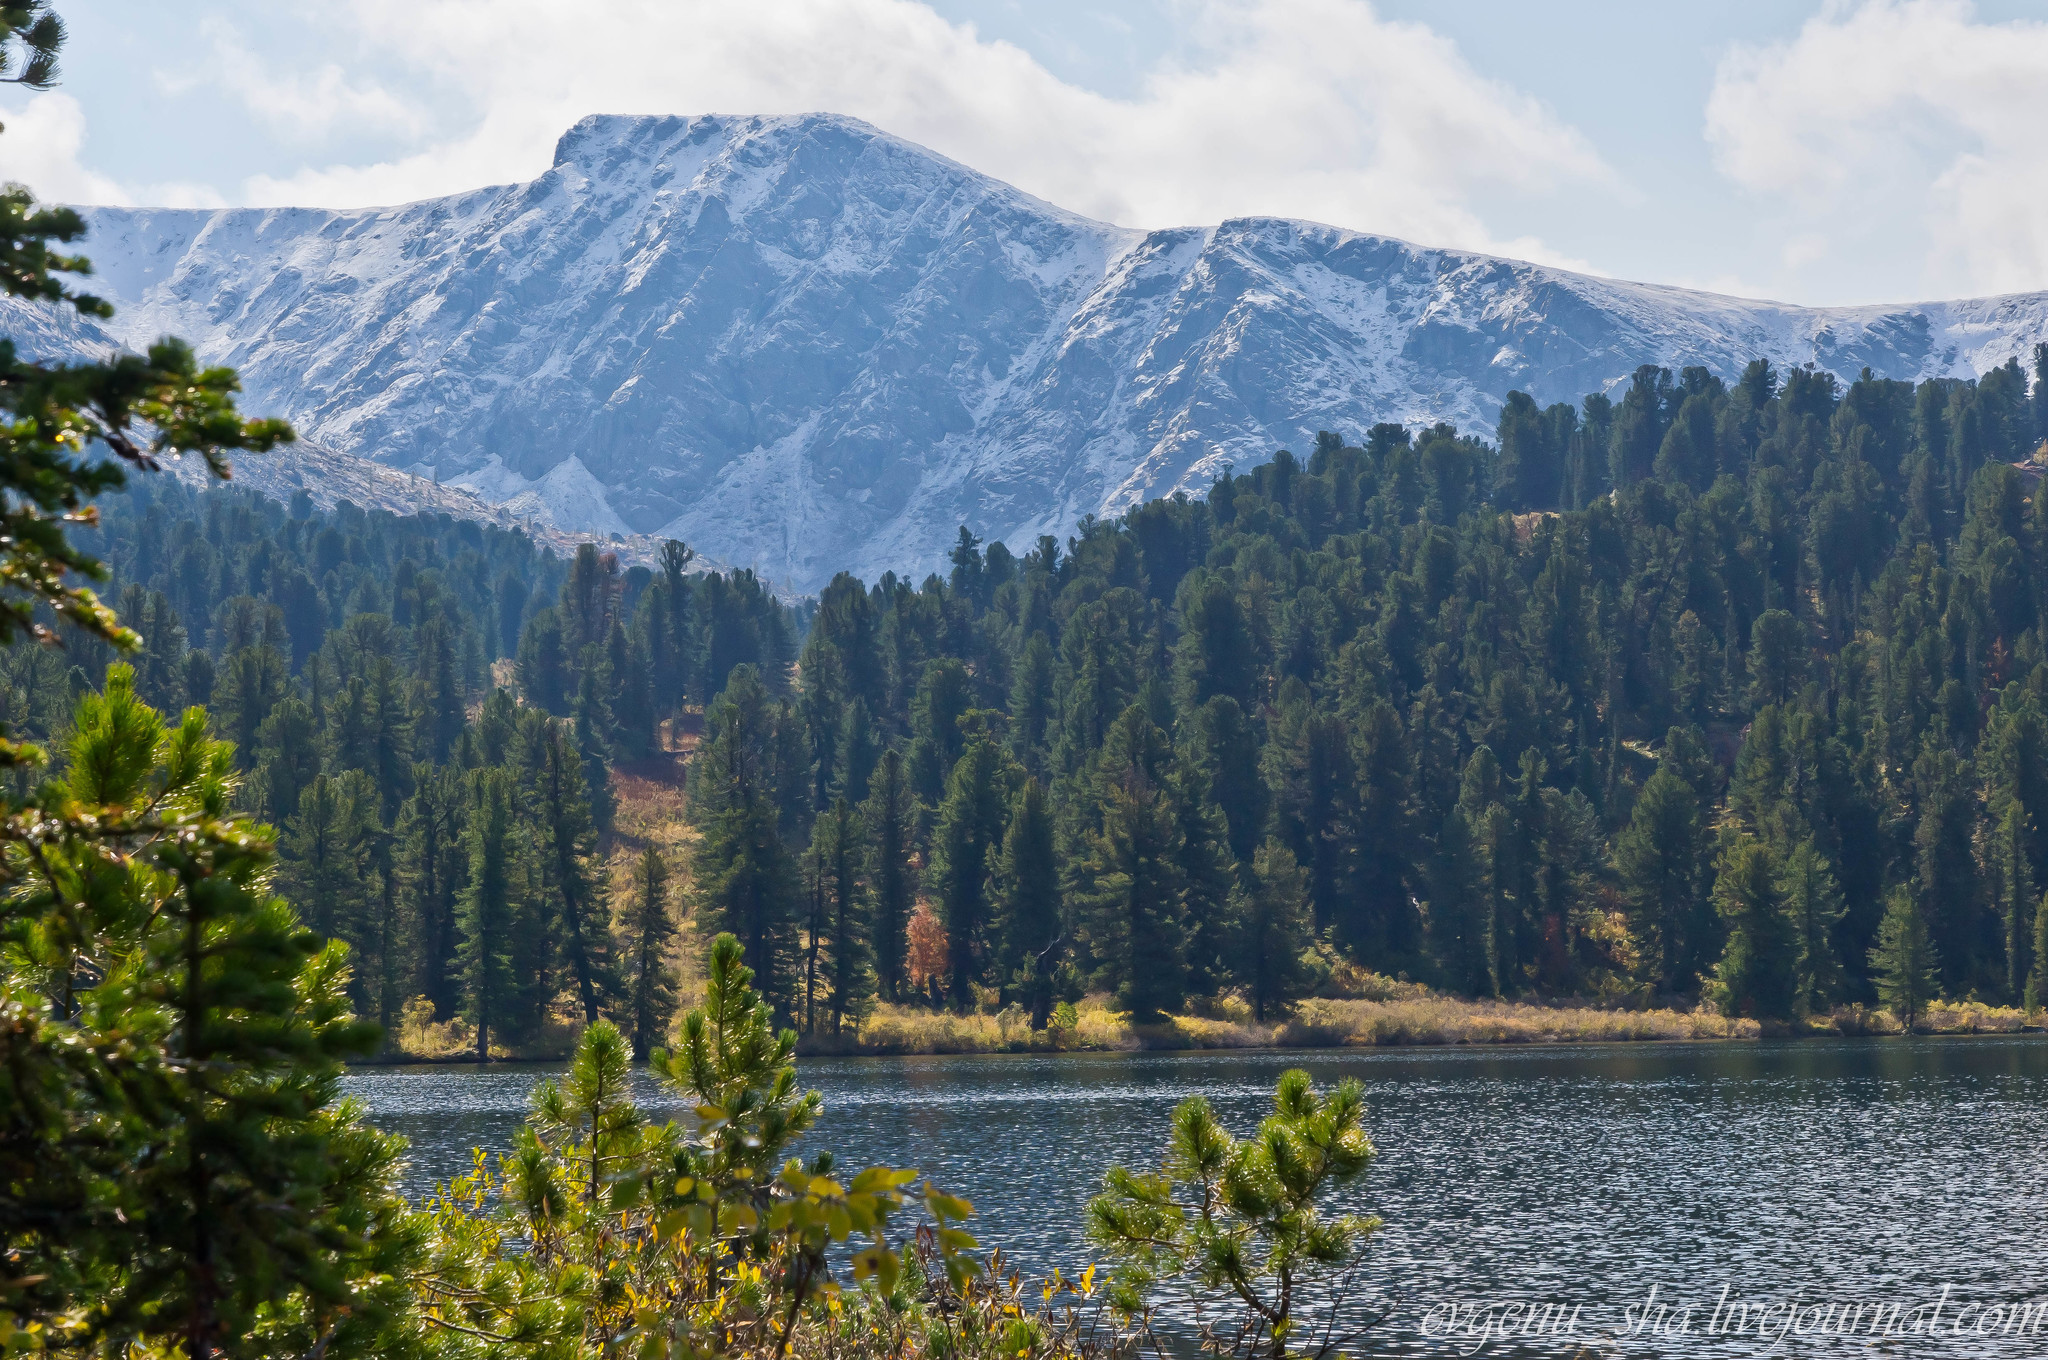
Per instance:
{"type": "Point", "coordinates": [943, 696]}
{"type": "Point", "coordinates": [1315, 788]}
{"type": "Point", "coordinates": [439, 702]}
{"type": "Point", "coordinates": [432, 868]}
{"type": "Point", "coordinates": [1460, 916]}
{"type": "Point", "coordinates": [491, 910]}
{"type": "Point", "coordinates": [742, 873]}
{"type": "Point", "coordinates": [1759, 971]}
{"type": "Point", "coordinates": [632, 691]}
{"type": "Point", "coordinates": [1903, 962]}
{"type": "Point", "coordinates": [1277, 934]}
{"type": "Point", "coordinates": [543, 664]}
{"type": "Point", "coordinates": [572, 876]}
{"type": "Point", "coordinates": [288, 746]}
{"type": "Point", "coordinates": [1814, 902]}
{"type": "Point", "coordinates": [1031, 703]}
{"type": "Point", "coordinates": [2012, 882]}
{"type": "Point", "coordinates": [1951, 896]}
{"type": "Point", "coordinates": [250, 684]}
{"type": "Point", "coordinates": [239, 1194]}
{"type": "Point", "coordinates": [324, 859]}
{"type": "Point", "coordinates": [971, 822]}
{"type": "Point", "coordinates": [891, 875]}
{"type": "Point", "coordinates": [1222, 749]}
{"type": "Point", "coordinates": [650, 980]}
{"type": "Point", "coordinates": [1128, 889]}
{"type": "Point", "coordinates": [857, 750]}
{"type": "Point", "coordinates": [596, 736]}
{"type": "Point", "coordinates": [1027, 901]}
{"type": "Point", "coordinates": [1658, 856]}
{"type": "Point", "coordinates": [850, 983]}
{"type": "Point", "coordinates": [1209, 883]}
{"type": "Point", "coordinates": [1216, 656]}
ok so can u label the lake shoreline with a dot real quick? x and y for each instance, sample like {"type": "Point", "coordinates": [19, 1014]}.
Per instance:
{"type": "Point", "coordinates": [1323, 1023]}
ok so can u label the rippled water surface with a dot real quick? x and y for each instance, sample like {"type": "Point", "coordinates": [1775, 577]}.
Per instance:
{"type": "Point", "coordinates": [1871, 1172]}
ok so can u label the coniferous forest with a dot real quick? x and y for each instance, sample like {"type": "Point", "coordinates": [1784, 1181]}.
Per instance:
{"type": "Point", "coordinates": [1730, 691]}
{"type": "Point", "coordinates": [1716, 696]}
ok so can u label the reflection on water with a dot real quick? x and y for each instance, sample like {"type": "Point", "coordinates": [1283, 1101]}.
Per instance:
{"type": "Point", "coordinates": [1866, 1171]}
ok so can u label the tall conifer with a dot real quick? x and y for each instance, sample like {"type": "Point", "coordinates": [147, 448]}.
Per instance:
{"type": "Point", "coordinates": [650, 980]}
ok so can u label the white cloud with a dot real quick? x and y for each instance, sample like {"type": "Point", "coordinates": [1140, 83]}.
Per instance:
{"type": "Point", "coordinates": [40, 149]}
{"type": "Point", "coordinates": [307, 105]}
{"type": "Point", "coordinates": [1306, 108]}
{"type": "Point", "coordinates": [1899, 116]}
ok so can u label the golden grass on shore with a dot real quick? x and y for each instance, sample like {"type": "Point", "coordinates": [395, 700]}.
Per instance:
{"type": "Point", "coordinates": [1424, 1019]}
{"type": "Point", "coordinates": [1419, 1018]}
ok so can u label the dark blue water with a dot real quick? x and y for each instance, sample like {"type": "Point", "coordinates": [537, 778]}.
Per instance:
{"type": "Point", "coordinates": [1821, 1173]}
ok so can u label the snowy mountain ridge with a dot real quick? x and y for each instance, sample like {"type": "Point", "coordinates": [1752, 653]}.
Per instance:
{"type": "Point", "coordinates": [805, 345]}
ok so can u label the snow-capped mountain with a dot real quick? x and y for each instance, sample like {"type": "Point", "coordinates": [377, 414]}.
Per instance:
{"type": "Point", "coordinates": [806, 345]}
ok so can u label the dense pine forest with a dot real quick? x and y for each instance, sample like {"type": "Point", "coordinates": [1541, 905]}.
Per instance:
{"type": "Point", "coordinates": [1733, 691]}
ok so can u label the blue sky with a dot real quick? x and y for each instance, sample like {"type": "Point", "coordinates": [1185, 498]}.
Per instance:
{"type": "Point", "coordinates": [1840, 152]}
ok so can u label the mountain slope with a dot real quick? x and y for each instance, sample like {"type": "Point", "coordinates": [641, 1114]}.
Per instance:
{"type": "Point", "coordinates": [805, 345]}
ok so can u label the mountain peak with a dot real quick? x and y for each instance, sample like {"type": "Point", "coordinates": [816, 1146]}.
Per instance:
{"type": "Point", "coordinates": [807, 345]}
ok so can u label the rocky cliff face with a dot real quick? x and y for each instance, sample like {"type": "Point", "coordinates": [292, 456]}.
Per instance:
{"type": "Point", "coordinates": [805, 345]}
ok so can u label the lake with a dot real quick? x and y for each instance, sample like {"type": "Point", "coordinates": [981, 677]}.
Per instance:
{"type": "Point", "coordinates": [1769, 1186]}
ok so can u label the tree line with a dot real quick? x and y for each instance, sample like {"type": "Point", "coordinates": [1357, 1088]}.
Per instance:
{"type": "Point", "coordinates": [1722, 689]}
{"type": "Point", "coordinates": [447, 831]}
{"type": "Point", "coordinates": [1731, 690]}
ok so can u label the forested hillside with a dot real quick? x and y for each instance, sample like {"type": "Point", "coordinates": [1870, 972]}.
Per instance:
{"type": "Point", "coordinates": [1436, 707]}
{"type": "Point", "coordinates": [1773, 704]}
{"type": "Point", "coordinates": [448, 833]}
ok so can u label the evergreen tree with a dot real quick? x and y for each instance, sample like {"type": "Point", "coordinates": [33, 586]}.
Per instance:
{"type": "Point", "coordinates": [1129, 886]}
{"type": "Point", "coordinates": [432, 866]}
{"type": "Point", "coordinates": [1222, 751]}
{"type": "Point", "coordinates": [971, 822]}
{"type": "Point", "coordinates": [596, 736]}
{"type": "Point", "coordinates": [1903, 963]}
{"type": "Point", "coordinates": [1814, 902]}
{"type": "Point", "coordinates": [1460, 916]}
{"type": "Point", "coordinates": [943, 697]}
{"type": "Point", "coordinates": [888, 813]}
{"type": "Point", "coordinates": [1658, 857]}
{"type": "Point", "coordinates": [237, 1198]}
{"type": "Point", "coordinates": [543, 665]}
{"type": "Point", "coordinates": [1209, 883]}
{"type": "Point", "coordinates": [1759, 972]}
{"type": "Point", "coordinates": [572, 875]}
{"type": "Point", "coordinates": [858, 750]}
{"type": "Point", "coordinates": [650, 980]}
{"type": "Point", "coordinates": [632, 692]}
{"type": "Point", "coordinates": [250, 684]}
{"type": "Point", "coordinates": [371, 730]}
{"type": "Point", "coordinates": [744, 880]}
{"type": "Point", "coordinates": [288, 743]}
{"type": "Point", "coordinates": [1215, 656]}
{"type": "Point", "coordinates": [1031, 703]}
{"type": "Point", "coordinates": [841, 853]}
{"type": "Point", "coordinates": [1027, 901]}
{"type": "Point", "coordinates": [440, 703]}
{"type": "Point", "coordinates": [1945, 861]}
{"type": "Point", "coordinates": [324, 859]}
{"type": "Point", "coordinates": [491, 910]}
{"type": "Point", "coordinates": [2012, 883]}
{"type": "Point", "coordinates": [1277, 936]}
